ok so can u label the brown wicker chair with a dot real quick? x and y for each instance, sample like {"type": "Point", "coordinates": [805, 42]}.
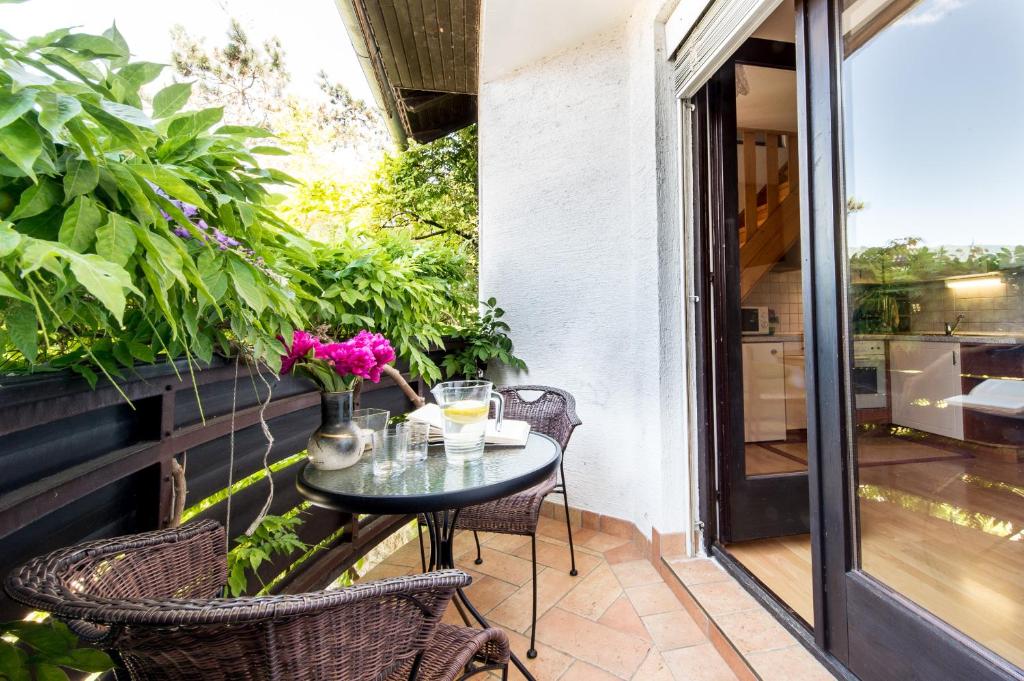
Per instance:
{"type": "Point", "coordinates": [152, 599]}
{"type": "Point", "coordinates": [552, 413]}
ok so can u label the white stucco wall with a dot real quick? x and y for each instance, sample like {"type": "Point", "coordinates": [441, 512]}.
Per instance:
{"type": "Point", "coordinates": [580, 243]}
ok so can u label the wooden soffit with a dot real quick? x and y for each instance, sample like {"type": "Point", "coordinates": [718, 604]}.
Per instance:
{"type": "Point", "coordinates": [426, 56]}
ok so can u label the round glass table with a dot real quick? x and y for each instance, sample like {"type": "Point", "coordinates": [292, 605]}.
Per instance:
{"type": "Point", "coordinates": [436, 491]}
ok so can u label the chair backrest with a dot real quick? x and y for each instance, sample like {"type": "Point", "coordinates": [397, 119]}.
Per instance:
{"type": "Point", "coordinates": [144, 598]}
{"type": "Point", "coordinates": [552, 413]}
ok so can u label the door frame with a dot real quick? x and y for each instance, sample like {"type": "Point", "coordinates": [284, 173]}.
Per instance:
{"type": "Point", "coordinates": [861, 625]}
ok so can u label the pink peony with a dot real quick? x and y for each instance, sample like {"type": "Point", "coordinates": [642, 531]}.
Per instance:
{"type": "Point", "coordinates": [362, 357]}
{"type": "Point", "coordinates": [302, 343]}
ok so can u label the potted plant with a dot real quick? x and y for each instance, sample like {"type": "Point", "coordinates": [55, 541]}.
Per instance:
{"type": "Point", "coordinates": [336, 368]}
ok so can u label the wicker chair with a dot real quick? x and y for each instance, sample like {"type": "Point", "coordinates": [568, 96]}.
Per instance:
{"type": "Point", "coordinates": [152, 599]}
{"type": "Point", "coordinates": [552, 413]}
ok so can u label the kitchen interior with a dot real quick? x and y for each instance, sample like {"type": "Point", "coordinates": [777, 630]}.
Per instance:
{"type": "Point", "coordinates": [937, 382]}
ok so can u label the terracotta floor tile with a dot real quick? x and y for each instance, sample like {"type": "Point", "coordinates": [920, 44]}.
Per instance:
{"type": "Point", "coordinates": [675, 629]}
{"type": "Point", "coordinates": [698, 571]}
{"type": "Point", "coordinates": [505, 567]}
{"type": "Point", "coordinates": [698, 663]}
{"type": "Point", "coordinates": [507, 543]}
{"type": "Point", "coordinates": [581, 671]}
{"type": "Point", "coordinates": [515, 611]}
{"type": "Point", "coordinates": [652, 599]}
{"type": "Point", "coordinates": [636, 573]}
{"type": "Point", "coordinates": [621, 615]}
{"type": "Point", "coordinates": [593, 594]}
{"type": "Point", "coordinates": [621, 554]}
{"type": "Point", "coordinates": [556, 555]}
{"type": "Point", "coordinates": [754, 631]}
{"type": "Point", "coordinates": [549, 664]}
{"type": "Point", "coordinates": [721, 598]}
{"type": "Point", "coordinates": [554, 528]}
{"type": "Point", "coordinates": [409, 554]}
{"type": "Point", "coordinates": [599, 645]}
{"type": "Point", "coordinates": [653, 669]}
{"type": "Point", "coordinates": [486, 592]}
{"type": "Point", "coordinates": [788, 664]}
{"type": "Point", "coordinates": [600, 542]}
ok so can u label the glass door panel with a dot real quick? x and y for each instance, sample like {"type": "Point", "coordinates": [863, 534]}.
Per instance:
{"type": "Point", "coordinates": [933, 157]}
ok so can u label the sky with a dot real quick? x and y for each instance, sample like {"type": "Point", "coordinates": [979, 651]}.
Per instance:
{"type": "Point", "coordinates": [935, 132]}
{"type": "Point", "coordinates": [311, 31]}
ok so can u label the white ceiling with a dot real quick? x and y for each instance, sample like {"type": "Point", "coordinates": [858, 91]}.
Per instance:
{"type": "Point", "coordinates": [771, 100]}
{"type": "Point", "coordinates": [514, 33]}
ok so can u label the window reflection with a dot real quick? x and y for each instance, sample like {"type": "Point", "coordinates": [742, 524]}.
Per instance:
{"type": "Point", "coordinates": [933, 147]}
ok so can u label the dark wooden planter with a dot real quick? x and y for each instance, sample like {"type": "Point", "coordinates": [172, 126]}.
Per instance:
{"type": "Point", "coordinates": [78, 464]}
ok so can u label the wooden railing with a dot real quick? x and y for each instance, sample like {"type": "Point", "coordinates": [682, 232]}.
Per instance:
{"type": "Point", "coordinates": [77, 463]}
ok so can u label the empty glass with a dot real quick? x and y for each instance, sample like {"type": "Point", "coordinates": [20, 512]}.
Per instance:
{"type": "Point", "coordinates": [370, 421]}
{"type": "Point", "coordinates": [419, 438]}
{"type": "Point", "coordinates": [389, 445]}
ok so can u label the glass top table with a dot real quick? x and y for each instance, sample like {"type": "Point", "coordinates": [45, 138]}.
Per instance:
{"type": "Point", "coordinates": [433, 485]}
{"type": "Point", "coordinates": [436, 492]}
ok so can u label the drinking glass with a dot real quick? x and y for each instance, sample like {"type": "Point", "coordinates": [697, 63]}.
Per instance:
{"type": "Point", "coordinates": [370, 421]}
{"type": "Point", "coordinates": [419, 439]}
{"type": "Point", "coordinates": [389, 446]}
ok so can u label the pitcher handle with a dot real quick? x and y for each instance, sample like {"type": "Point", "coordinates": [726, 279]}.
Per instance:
{"type": "Point", "coordinates": [499, 410]}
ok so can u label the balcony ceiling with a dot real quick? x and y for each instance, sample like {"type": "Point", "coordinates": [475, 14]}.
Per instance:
{"type": "Point", "coordinates": [424, 57]}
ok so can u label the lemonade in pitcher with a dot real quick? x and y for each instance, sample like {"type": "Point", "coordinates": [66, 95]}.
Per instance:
{"type": "Point", "coordinates": [464, 406]}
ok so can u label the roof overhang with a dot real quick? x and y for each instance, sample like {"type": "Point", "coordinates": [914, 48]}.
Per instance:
{"type": "Point", "coordinates": [421, 58]}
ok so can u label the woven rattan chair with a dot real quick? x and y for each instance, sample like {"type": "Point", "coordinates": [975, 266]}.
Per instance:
{"type": "Point", "coordinates": [552, 413]}
{"type": "Point", "coordinates": [152, 599]}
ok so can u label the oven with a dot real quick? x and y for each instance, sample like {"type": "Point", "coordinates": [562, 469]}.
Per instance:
{"type": "Point", "coordinates": [869, 374]}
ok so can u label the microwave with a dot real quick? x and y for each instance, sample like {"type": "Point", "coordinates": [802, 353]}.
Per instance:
{"type": "Point", "coordinates": [754, 320]}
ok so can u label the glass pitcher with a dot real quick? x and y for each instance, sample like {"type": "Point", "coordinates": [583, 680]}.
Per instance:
{"type": "Point", "coordinates": [464, 407]}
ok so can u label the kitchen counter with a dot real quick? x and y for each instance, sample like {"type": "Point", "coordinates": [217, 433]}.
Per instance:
{"type": "Point", "coordinates": [969, 338]}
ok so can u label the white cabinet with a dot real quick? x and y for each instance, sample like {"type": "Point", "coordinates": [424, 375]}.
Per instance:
{"type": "Point", "coordinates": [923, 375]}
{"type": "Point", "coordinates": [796, 391]}
{"type": "Point", "coordinates": [764, 392]}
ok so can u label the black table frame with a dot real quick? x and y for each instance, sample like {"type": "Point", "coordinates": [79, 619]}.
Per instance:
{"type": "Point", "coordinates": [440, 521]}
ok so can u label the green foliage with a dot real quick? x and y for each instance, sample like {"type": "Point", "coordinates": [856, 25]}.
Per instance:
{"type": "Point", "coordinates": [42, 651]}
{"type": "Point", "coordinates": [481, 341]}
{"type": "Point", "coordinates": [409, 291]}
{"type": "Point", "coordinates": [275, 536]}
{"type": "Point", "coordinates": [92, 274]}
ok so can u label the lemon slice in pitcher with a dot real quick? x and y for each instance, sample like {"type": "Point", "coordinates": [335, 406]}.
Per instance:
{"type": "Point", "coordinates": [466, 411]}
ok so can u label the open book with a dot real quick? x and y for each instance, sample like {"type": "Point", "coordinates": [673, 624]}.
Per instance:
{"type": "Point", "coordinates": [512, 433]}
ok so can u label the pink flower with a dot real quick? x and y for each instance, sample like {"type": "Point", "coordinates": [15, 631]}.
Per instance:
{"type": "Point", "coordinates": [302, 343]}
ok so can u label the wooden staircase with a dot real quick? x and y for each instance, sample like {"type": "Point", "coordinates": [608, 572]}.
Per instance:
{"type": "Point", "coordinates": [775, 225]}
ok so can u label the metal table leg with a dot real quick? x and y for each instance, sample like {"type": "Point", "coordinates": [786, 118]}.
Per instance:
{"type": "Point", "coordinates": [441, 528]}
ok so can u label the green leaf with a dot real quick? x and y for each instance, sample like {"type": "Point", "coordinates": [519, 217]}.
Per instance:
{"type": "Point", "coordinates": [244, 131]}
{"type": "Point", "coordinates": [89, 660]}
{"type": "Point", "coordinates": [12, 105]}
{"type": "Point", "coordinates": [8, 289]}
{"type": "Point", "coordinates": [22, 78]}
{"type": "Point", "coordinates": [246, 286]}
{"type": "Point", "coordinates": [44, 671]}
{"type": "Point", "coordinates": [269, 151]}
{"type": "Point", "coordinates": [190, 124]}
{"type": "Point", "coordinates": [20, 142]}
{"type": "Point", "coordinates": [78, 228]}
{"type": "Point", "coordinates": [115, 239]}
{"type": "Point", "coordinates": [140, 73]}
{"type": "Point", "coordinates": [103, 279]}
{"type": "Point", "coordinates": [21, 327]}
{"type": "Point", "coordinates": [90, 376]}
{"type": "Point", "coordinates": [92, 45]}
{"type": "Point", "coordinates": [81, 177]}
{"type": "Point", "coordinates": [9, 239]}
{"type": "Point", "coordinates": [170, 100]}
{"type": "Point", "coordinates": [36, 199]}
{"type": "Point", "coordinates": [165, 178]}
{"type": "Point", "coordinates": [13, 659]}
{"type": "Point", "coordinates": [128, 114]}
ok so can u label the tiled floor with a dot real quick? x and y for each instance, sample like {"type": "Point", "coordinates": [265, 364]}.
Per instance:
{"type": "Point", "coordinates": [616, 620]}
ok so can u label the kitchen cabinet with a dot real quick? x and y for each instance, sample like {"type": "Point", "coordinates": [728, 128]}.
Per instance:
{"type": "Point", "coordinates": [796, 391]}
{"type": "Point", "coordinates": [764, 392]}
{"type": "Point", "coordinates": [922, 376]}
